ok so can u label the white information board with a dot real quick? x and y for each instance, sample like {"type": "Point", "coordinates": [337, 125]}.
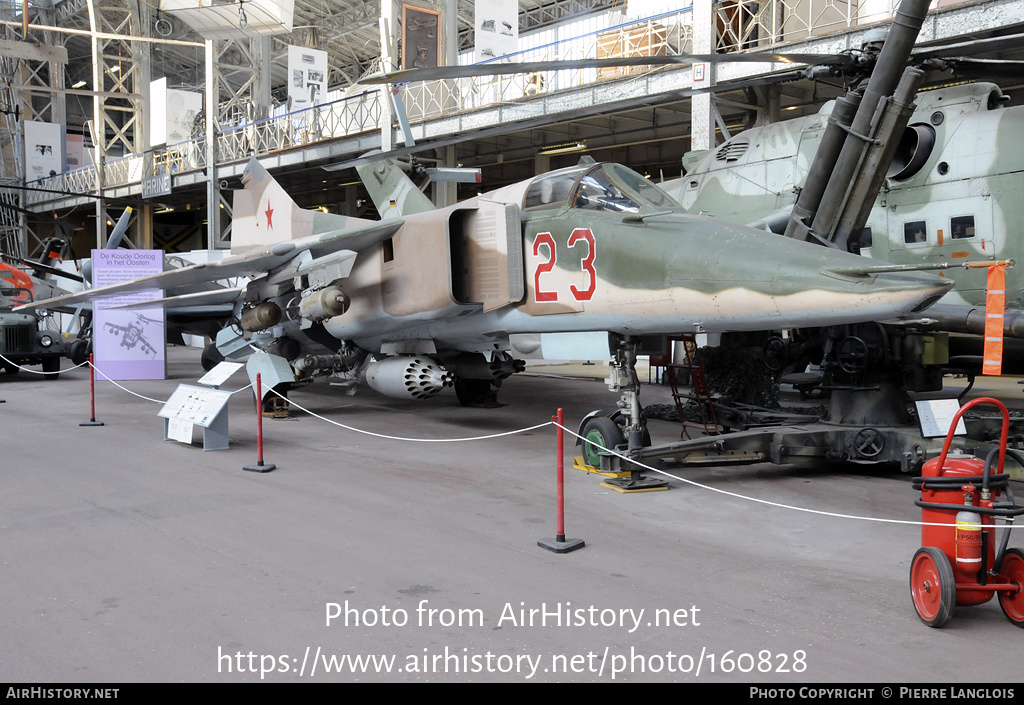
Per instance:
{"type": "Point", "coordinates": [936, 416]}
{"type": "Point", "coordinates": [220, 374]}
{"type": "Point", "coordinates": [197, 406]}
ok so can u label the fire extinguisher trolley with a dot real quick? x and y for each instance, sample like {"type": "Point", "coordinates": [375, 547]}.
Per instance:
{"type": "Point", "coordinates": [958, 563]}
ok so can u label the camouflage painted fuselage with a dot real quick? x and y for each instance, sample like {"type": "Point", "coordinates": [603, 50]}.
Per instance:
{"type": "Point", "coordinates": [519, 260]}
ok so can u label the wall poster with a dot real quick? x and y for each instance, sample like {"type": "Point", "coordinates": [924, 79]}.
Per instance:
{"type": "Point", "coordinates": [421, 37]}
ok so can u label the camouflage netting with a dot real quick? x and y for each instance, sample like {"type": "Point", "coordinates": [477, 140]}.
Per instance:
{"type": "Point", "coordinates": [735, 373]}
{"type": "Point", "coordinates": [738, 374]}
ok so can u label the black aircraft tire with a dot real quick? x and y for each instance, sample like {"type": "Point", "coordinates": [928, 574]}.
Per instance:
{"type": "Point", "coordinates": [211, 357]}
{"type": "Point", "coordinates": [79, 352]}
{"type": "Point", "coordinates": [472, 392]}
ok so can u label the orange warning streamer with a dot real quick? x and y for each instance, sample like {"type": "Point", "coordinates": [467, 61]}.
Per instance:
{"type": "Point", "coordinates": [995, 303]}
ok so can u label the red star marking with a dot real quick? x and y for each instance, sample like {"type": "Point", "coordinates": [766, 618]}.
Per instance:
{"type": "Point", "coordinates": [270, 215]}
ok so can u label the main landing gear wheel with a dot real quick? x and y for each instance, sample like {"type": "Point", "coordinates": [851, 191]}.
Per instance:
{"type": "Point", "coordinates": [599, 431]}
{"type": "Point", "coordinates": [211, 357]}
{"type": "Point", "coordinates": [933, 586]}
{"type": "Point", "coordinates": [476, 392]}
{"type": "Point", "coordinates": [1013, 602]}
{"type": "Point", "coordinates": [79, 352]}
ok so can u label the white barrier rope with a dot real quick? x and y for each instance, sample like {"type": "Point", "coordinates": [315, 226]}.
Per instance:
{"type": "Point", "coordinates": [769, 503]}
{"type": "Point", "coordinates": [412, 440]}
{"type": "Point", "coordinates": [37, 372]}
{"type": "Point", "coordinates": [136, 394]}
{"type": "Point", "coordinates": [693, 483]}
{"type": "Point", "coordinates": [157, 401]}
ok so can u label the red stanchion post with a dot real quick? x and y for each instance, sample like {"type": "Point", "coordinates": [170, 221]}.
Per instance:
{"type": "Point", "coordinates": [92, 397]}
{"type": "Point", "coordinates": [260, 466]}
{"type": "Point", "coordinates": [560, 544]}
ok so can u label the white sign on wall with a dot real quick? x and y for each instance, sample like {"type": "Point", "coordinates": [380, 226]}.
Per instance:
{"type": "Point", "coordinates": [307, 76]}
{"type": "Point", "coordinates": [44, 150]}
{"type": "Point", "coordinates": [497, 28]}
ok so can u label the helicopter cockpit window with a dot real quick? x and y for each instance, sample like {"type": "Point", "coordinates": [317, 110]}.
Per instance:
{"type": "Point", "coordinates": [915, 232]}
{"type": "Point", "coordinates": [15, 295]}
{"type": "Point", "coordinates": [961, 227]}
{"type": "Point", "coordinates": [613, 187]}
{"type": "Point", "coordinates": [554, 188]}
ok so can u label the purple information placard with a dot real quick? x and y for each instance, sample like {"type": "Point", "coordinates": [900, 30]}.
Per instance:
{"type": "Point", "coordinates": [128, 343]}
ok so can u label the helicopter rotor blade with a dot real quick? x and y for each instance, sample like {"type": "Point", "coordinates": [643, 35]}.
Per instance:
{"type": "Point", "coordinates": [494, 68]}
{"type": "Point", "coordinates": [974, 46]}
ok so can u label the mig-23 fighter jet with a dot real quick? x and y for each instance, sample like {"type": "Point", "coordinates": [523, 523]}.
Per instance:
{"type": "Point", "coordinates": [429, 297]}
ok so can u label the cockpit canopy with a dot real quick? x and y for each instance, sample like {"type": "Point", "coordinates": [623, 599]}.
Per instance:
{"type": "Point", "coordinates": [605, 187]}
{"type": "Point", "coordinates": [15, 287]}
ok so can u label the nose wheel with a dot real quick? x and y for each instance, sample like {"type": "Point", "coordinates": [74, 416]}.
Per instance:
{"type": "Point", "coordinates": [933, 586]}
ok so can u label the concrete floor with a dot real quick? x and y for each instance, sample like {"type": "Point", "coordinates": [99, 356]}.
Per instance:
{"type": "Point", "coordinates": [126, 558]}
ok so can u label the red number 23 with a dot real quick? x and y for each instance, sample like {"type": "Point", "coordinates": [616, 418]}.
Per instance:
{"type": "Point", "coordinates": [545, 239]}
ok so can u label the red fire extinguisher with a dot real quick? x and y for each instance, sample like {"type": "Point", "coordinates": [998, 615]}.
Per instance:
{"type": "Point", "coordinates": [958, 564]}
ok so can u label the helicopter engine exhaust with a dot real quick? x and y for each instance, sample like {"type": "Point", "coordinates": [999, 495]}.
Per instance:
{"type": "Point", "coordinates": [324, 304]}
{"type": "Point", "coordinates": [404, 377]}
{"type": "Point", "coordinates": [260, 317]}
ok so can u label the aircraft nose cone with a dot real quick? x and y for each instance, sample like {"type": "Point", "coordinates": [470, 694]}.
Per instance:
{"type": "Point", "coordinates": [924, 287]}
{"type": "Point", "coordinates": [895, 294]}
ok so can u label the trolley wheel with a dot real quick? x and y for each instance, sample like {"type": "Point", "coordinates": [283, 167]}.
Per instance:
{"type": "Point", "coordinates": [602, 431]}
{"type": "Point", "coordinates": [1013, 602]}
{"type": "Point", "coordinates": [933, 586]}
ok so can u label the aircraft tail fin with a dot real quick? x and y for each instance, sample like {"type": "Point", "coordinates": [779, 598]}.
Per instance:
{"type": "Point", "coordinates": [392, 191]}
{"type": "Point", "coordinates": [264, 213]}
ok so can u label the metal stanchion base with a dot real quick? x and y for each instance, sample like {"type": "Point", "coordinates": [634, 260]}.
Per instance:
{"type": "Point", "coordinates": [260, 466]}
{"type": "Point", "coordinates": [91, 422]}
{"type": "Point", "coordinates": [562, 544]}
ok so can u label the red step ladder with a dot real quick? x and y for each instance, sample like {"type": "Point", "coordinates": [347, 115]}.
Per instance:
{"type": "Point", "coordinates": [678, 373]}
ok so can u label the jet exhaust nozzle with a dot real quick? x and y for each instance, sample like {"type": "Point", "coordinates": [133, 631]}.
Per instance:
{"type": "Point", "coordinates": [404, 377]}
